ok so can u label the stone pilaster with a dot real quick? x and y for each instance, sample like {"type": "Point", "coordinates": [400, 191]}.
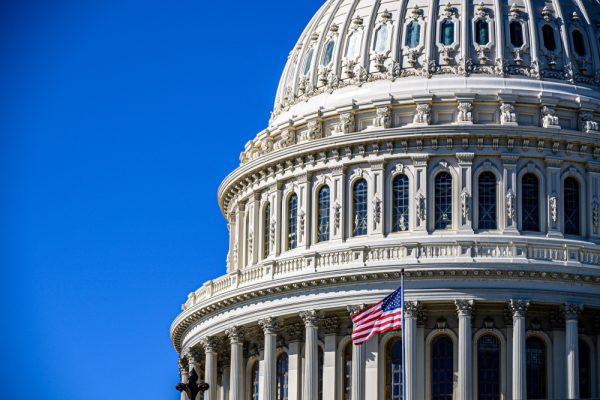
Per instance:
{"type": "Point", "coordinates": [518, 308]}
{"type": "Point", "coordinates": [572, 312]}
{"type": "Point", "coordinates": [269, 326]}
{"type": "Point", "coordinates": [338, 198]}
{"type": "Point", "coordinates": [412, 309]}
{"type": "Point", "coordinates": [510, 192]}
{"type": "Point", "coordinates": [377, 189]}
{"type": "Point", "coordinates": [358, 362]}
{"type": "Point", "coordinates": [295, 335]}
{"type": "Point", "coordinates": [330, 329]}
{"type": "Point", "coordinates": [236, 338]}
{"type": "Point", "coordinates": [184, 372]}
{"type": "Point", "coordinates": [464, 309]}
{"type": "Point", "coordinates": [420, 190]}
{"type": "Point", "coordinates": [304, 207]}
{"type": "Point", "coordinates": [465, 190]}
{"type": "Point", "coordinates": [553, 197]}
{"type": "Point", "coordinates": [209, 344]}
{"type": "Point", "coordinates": [311, 354]}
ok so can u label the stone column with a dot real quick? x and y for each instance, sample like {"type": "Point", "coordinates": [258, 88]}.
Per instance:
{"type": "Point", "coordinates": [311, 355]}
{"type": "Point", "coordinates": [183, 374]}
{"type": "Point", "coordinates": [269, 325]}
{"type": "Point", "coordinates": [295, 335]}
{"type": "Point", "coordinates": [465, 358]}
{"type": "Point", "coordinates": [193, 357]}
{"type": "Point", "coordinates": [358, 363]}
{"type": "Point", "coordinates": [558, 354]}
{"type": "Point", "coordinates": [330, 329]}
{"type": "Point", "coordinates": [210, 366]}
{"type": "Point", "coordinates": [225, 375]}
{"type": "Point", "coordinates": [465, 190]}
{"type": "Point", "coordinates": [236, 339]}
{"type": "Point", "coordinates": [411, 311]}
{"type": "Point", "coordinates": [572, 312]}
{"type": "Point", "coordinates": [518, 310]}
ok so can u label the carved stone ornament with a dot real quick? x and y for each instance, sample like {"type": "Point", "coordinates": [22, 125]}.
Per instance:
{"type": "Point", "coordinates": [588, 125]}
{"type": "Point", "coordinates": [549, 118]}
{"type": "Point", "coordinates": [383, 118]}
{"type": "Point", "coordinates": [235, 334]}
{"type": "Point", "coordinates": [209, 343]}
{"type": "Point", "coordinates": [465, 199]}
{"type": "Point", "coordinates": [518, 308]}
{"type": "Point", "coordinates": [514, 11]}
{"type": "Point", "coordinates": [511, 211]}
{"type": "Point", "coordinates": [235, 254]}
{"type": "Point", "coordinates": [412, 309]}
{"type": "Point", "coordinates": [301, 221]}
{"type": "Point", "coordinates": [286, 139]}
{"type": "Point", "coordinates": [337, 216]}
{"type": "Point", "coordinates": [346, 124]}
{"type": "Point", "coordinates": [554, 208]}
{"type": "Point", "coordinates": [508, 115]}
{"type": "Point", "coordinates": [595, 215]}
{"type": "Point", "coordinates": [268, 325]}
{"type": "Point", "coordinates": [310, 318]}
{"type": "Point", "coordinates": [464, 112]}
{"type": "Point", "coordinates": [423, 114]}
{"type": "Point", "coordinates": [272, 234]}
{"type": "Point", "coordinates": [448, 11]}
{"type": "Point", "coordinates": [572, 311]}
{"type": "Point", "coordinates": [295, 332]}
{"type": "Point", "coordinates": [330, 326]}
{"type": "Point", "coordinates": [312, 132]}
{"type": "Point", "coordinates": [464, 307]}
{"type": "Point", "coordinates": [421, 208]}
{"type": "Point", "coordinates": [250, 241]}
{"type": "Point", "coordinates": [376, 212]}
{"type": "Point", "coordinates": [355, 309]}
{"type": "Point", "coordinates": [193, 356]}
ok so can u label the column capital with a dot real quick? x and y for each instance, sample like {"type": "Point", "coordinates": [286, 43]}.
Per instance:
{"type": "Point", "coordinates": [518, 308]}
{"type": "Point", "coordinates": [355, 309]}
{"type": "Point", "coordinates": [572, 311]}
{"type": "Point", "coordinates": [295, 332]}
{"type": "Point", "coordinates": [192, 356]}
{"type": "Point", "coordinates": [310, 317]}
{"type": "Point", "coordinates": [235, 334]}
{"type": "Point", "coordinates": [330, 326]}
{"type": "Point", "coordinates": [183, 365]}
{"type": "Point", "coordinates": [413, 309]}
{"type": "Point", "coordinates": [464, 307]}
{"type": "Point", "coordinates": [268, 325]}
{"type": "Point", "coordinates": [209, 343]}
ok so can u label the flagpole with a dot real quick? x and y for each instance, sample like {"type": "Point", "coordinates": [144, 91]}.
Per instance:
{"type": "Point", "coordinates": [403, 336]}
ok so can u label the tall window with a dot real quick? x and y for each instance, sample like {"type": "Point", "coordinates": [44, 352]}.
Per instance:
{"type": "Point", "coordinates": [308, 62]}
{"type": "Point", "coordinates": [359, 208]}
{"type": "Point", "coordinates": [321, 364]}
{"type": "Point", "coordinates": [382, 39]}
{"type": "Point", "coordinates": [255, 381]}
{"type": "Point", "coordinates": [488, 367]}
{"type": "Point", "coordinates": [571, 206]}
{"type": "Point", "coordinates": [400, 203]}
{"type": "Point", "coordinates": [530, 206]}
{"type": "Point", "coordinates": [548, 35]}
{"type": "Point", "coordinates": [482, 32]}
{"type": "Point", "coordinates": [324, 214]}
{"type": "Point", "coordinates": [393, 369]}
{"type": "Point", "coordinates": [443, 201]}
{"type": "Point", "coordinates": [487, 201]}
{"type": "Point", "coordinates": [347, 372]}
{"type": "Point", "coordinates": [413, 34]}
{"type": "Point", "coordinates": [578, 42]}
{"type": "Point", "coordinates": [516, 33]}
{"type": "Point", "coordinates": [282, 377]}
{"type": "Point", "coordinates": [447, 38]}
{"type": "Point", "coordinates": [328, 56]}
{"type": "Point", "coordinates": [536, 368]}
{"type": "Point", "coordinates": [353, 47]}
{"type": "Point", "coordinates": [442, 368]}
{"type": "Point", "coordinates": [267, 231]}
{"type": "Point", "coordinates": [292, 222]}
{"type": "Point", "coordinates": [585, 370]}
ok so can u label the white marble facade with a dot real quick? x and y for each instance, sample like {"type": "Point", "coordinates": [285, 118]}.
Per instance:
{"type": "Point", "coordinates": [457, 141]}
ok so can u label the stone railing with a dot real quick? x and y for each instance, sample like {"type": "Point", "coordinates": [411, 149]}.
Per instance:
{"type": "Point", "coordinates": [405, 254]}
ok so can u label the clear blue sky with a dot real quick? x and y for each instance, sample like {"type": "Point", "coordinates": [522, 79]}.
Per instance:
{"type": "Point", "coordinates": [118, 120]}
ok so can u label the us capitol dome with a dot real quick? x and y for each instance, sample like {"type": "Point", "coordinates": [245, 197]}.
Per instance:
{"type": "Point", "coordinates": [457, 141]}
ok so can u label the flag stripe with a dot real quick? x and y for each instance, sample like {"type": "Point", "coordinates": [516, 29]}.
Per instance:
{"type": "Point", "coordinates": [383, 316]}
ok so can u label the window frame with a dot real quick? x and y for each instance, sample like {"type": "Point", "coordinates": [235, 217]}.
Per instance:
{"type": "Point", "coordinates": [548, 359]}
{"type": "Point", "coordinates": [428, 357]}
{"type": "Point", "coordinates": [503, 385]}
{"type": "Point", "coordinates": [498, 203]}
{"type": "Point", "coordinates": [391, 201]}
{"type": "Point", "coordinates": [357, 177]}
{"type": "Point", "coordinates": [531, 169]}
{"type": "Point", "coordinates": [483, 15]}
{"type": "Point", "coordinates": [454, 18]}
{"type": "Point", "coordinates": [453, 203]}
{"type": "Point", "coordinates": [317, 217]}
{"type": "Point", "coordinates": [410, 19]}
{"type": "Point", "coordinates": [287, 233]}
{"type": "Point", "coordinates": [580, 210]}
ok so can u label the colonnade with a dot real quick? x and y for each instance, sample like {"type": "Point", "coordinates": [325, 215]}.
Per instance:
{"type": "Point", "coordinates": [303, 376]}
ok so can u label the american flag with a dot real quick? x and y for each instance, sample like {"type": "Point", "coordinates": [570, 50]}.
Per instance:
{"type": "Point", "coordinates": [386, 315]}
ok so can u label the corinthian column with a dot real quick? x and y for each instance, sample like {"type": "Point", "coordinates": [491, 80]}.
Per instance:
{"type": "Point", "coordinates": [411, 311]}
{"type": "Point", "coordinates": [311, 355]}
{"type": "Point", "coordinates": [358, 363]}
{"type": "Point", "coordinates": [572, 312]}
{"type": "Point", "coordinates": [183, 373]}
{"type": "Point", "coordinates": [269, 325]}
{"type": "Point", "coordinates": [210, 368]}
{"type": "Point", "coordinates": [465, 358]}
{"type": "Point", "coordinates": [236, 338]}
{"type": "Point", "coordinates": [518, 309]}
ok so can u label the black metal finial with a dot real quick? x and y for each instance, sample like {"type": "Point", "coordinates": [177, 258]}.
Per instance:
{"type": "Point", "coordinates": [192, 387]}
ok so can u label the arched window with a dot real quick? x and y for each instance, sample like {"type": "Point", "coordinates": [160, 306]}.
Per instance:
{"type": "Point", "coordinates": [267, 230]}
{"type": "Point", "coordinates": [359, 208]}
{"type": "Point", "coordinates": [282, 377]}
{"type": "Point", "coordinates": [536, 368]}
{"type": "Point", "coordinates": [530, 206]}
{"type": "Point", "coordinates": [447, 38]}
{"type": "Point", "coordinates": [482, 32]}
{"type": "Point", "coordinates": [487, 201]}
{"type": "Point", "coordinates": [323, 216]}
{"type": "Point", "coordinates": [516, 34]}
{"type": "Point", "coordinates": [353, 47]}
{"type": "Point", "coordinates": [254, 375]}
{"type": "Point", "coordinates": [442, 368]}
{"type": "Point", "coordinates": [585, 370]}
{"type": "Point", "coordinates": [443, 200]}
{"type": "Point", "coordinates": [400, 203]}
{"type": "Point", "coordinates": [413, 34]}
{"type": "Point", "coordinates": [571, 206]}
{"type": "Point", "coordinates": [548, 35]}
{"type": "Point", "coordinates": [393, 369]}
{"type": "Point", "coordinates": [488, 367]}
{"type": "Point", "coordinates": [321, 364]}
{"type": "Point", "coordinates": [292, 222]}
{"type": "Point", "coordinates": [328, 55]}
{"type": "Point", "coordinates": [347, 372]}
{"type": "Point", "coordinates": [578, 42]}
{"type": "Point", "coordinates": [308, 62]}
{"type": "Point", "coordinates": [382, 39]}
